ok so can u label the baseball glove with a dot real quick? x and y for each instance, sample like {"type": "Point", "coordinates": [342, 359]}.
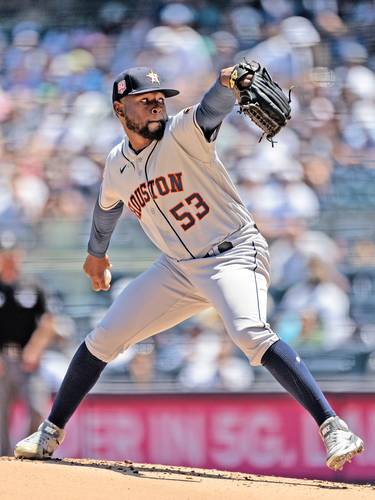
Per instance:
{"type": "Point", "coordinates": [262, 101]}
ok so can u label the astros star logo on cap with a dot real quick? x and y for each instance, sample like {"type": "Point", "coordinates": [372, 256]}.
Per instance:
{"type": "Point", "coordinates": [154, 77]}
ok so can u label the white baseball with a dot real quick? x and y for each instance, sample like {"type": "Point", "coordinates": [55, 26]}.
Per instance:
{"type": "Point", "coordinates": [107, 277]}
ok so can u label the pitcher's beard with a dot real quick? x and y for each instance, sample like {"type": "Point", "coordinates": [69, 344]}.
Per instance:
{"type": "Point", "coordinates": [145, 131]}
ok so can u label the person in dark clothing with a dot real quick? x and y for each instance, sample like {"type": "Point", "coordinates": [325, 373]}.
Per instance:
{"type": "Point", "coordinates": [26, 329]}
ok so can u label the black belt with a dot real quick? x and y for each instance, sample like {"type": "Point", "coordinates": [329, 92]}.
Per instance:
{"type": "Point", "coordinates": [221, 248]}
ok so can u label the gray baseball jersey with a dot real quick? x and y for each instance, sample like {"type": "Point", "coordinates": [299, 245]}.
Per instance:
{"type": "Point", "coordinates": [177, 188]}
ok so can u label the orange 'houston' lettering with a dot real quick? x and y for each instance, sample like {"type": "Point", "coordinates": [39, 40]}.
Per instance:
{"type": "Point", "coordinates": [138, 195]}
{"type": "Point", "coordinates": [162, 185]}
{"type": "Point", "coordinates": [151, 188]}
{"type": "Point", "coordinates": [144, 192]}
{"type": "Point", "coordinates": [176, 182]}
{"type": "Point", "coordinates": [134, 206]}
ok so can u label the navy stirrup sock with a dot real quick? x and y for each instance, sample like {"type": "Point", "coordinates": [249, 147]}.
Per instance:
{"type": "Point", "coordinates": [280, 360]}
{"type": "Point", "coordinates": [291, 372]}
{"type": "Point", "coordinates": [83, 372]}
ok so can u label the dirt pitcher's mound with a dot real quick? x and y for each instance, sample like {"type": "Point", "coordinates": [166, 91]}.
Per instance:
{"type": "Point", "coordinates": [73, 479]}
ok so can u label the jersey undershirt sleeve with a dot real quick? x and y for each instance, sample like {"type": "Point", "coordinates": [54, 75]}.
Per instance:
{"type": "Point", "coordinates": [103, 225]}
{"type": "Point", "coordinates": [107, 211]}
{"type": "Point", "coordinates": [215, 105]}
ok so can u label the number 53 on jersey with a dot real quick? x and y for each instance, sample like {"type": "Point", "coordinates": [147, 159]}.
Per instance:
{"type": "Point", "coordinates": [190, 210]}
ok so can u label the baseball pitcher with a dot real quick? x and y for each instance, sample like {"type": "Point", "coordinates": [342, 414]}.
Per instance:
{"type": "Point", "coordinates": [167, 173]}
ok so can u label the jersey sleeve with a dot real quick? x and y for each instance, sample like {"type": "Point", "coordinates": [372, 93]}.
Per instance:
{"type": "Point", "coordinates": [186, 131]}
{"type": "Point", "coordinates": [108, 196]}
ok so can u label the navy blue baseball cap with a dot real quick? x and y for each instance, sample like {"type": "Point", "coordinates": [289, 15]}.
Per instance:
{"type": "Point", "coordinates": [139, 80]}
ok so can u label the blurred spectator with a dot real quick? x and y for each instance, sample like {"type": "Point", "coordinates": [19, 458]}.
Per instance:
{"type": "Point", "coordinates": [320, 304]}
{"type": "Point", "coordinates": [27, 329]}
{"type": "Point", "coordinates": [141, 370]}
{"type": "Point", "coordinates": [177, 50]}
{"type": "Point", "coordinates": [292, 251]}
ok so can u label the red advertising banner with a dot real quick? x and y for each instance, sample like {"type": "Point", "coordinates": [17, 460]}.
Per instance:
{"type": "Point", "coordinates": [260, 434]}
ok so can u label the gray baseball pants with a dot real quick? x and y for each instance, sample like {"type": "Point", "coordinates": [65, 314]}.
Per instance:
{"type": "Point", "coordinates": [235, 283]}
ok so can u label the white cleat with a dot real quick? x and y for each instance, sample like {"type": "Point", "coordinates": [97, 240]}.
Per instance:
{"type": "Point", "coordinates": [42, 443]}
{"type": "Point", "coordinates": [341, 444]}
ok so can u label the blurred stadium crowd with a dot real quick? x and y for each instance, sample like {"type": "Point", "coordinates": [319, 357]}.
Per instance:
{"type": "Point", "coordinates": [312, 195]}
